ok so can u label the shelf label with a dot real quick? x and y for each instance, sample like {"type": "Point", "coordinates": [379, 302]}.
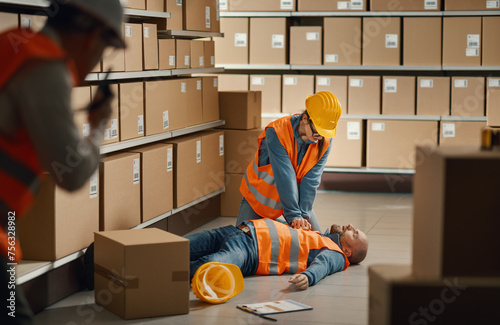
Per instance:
{"type": "Point", "coordinates": [171, 60]}
{"type": "Point", "coordinates": [240, 39]}
{"type": "Point", "coordinates": [202, 61]}
{"type": "Point", "coordinates": [332, 58]}
{"type": "Point", "coordinates": [128, 31]}
{"type": "Point", "coordinates": [140, 124]}
{"type": "Point", "coordinates": [430, 4]}
{"type": "Point", "coordinates": [86, 130]}
{"type": "Point", "coordinates": [290, 81]}
{"type": "Point", "coordinates": [258, 81]}
{"type": "Point", "coordinates": [183, 87]}
{"type": "Point", "coordinates": [494, 83]}
{"type": "Point", "coordinates": [216, 82]}
{"type": "Point", "coordinates": [137, 167]}
{"type": "Point", "coordinates": [473, 41]}
{"type": "Point", "coordinates": [353, 130]}
{"type": "Point", "coordinates": [114, 128]}
{"type": "Point", "coordinates": [217, 10]}
{"type": "Point", "coordinates": [165, 120]}
{"type": "Point", "coordinates": [391, 85]}
{"type": "Point", "coordinates": [223, 5]}
{"type": "Point", "coordinates": [286, 4]}
{"type": "Point", "coordinates": [187, 60]}
{"type": "Point", "coordinates": [343, 5]}
{"type": "Point", "coordinates": [323, 81]}
{"type": "Point", "coordinates": [391, 41]}
{"type": "Point", "coordinates": [178, 2]}
{"type": "Point", "coordinates": [312, 36]}
{"type": "Point", "coordinates": [278, 41]}
{"type": "Point", "coordinates": [170, 159]}
{"type": "Point", "coordinates": [146, 32]}
{"type": "Point", "coordinates": [357, 4]}
{"type": "Point", "coordinates": [221, 145]}
{"type": "Point", "coordinates": [378, 126]}
{"type": "Point", "coordinates": [198, 151]}
{"type": "Point", "coordinates": [198, 84]}
{"type": "Point", "coordinates": [356, 82]}
{"type": "Point", "coordinates": [207, 17]}
{"type": "Point", "coordinates": [426, 83]}
{"type": "Point", "coordinates": [461, 83]}
{"type": "Point", "coordinates": [93, 185]}
{"type": "Point", "coordinates": [448, 130]}
{"type": "Point", "coordinates": [471, 52]}
{"type": "Point", "coordinates": [493, 4]}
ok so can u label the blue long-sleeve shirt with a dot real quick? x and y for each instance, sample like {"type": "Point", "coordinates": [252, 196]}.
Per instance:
{"type": "Point", "coordinates": [297, 199]}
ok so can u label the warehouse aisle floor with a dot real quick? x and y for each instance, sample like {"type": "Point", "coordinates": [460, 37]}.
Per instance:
{"type": "Point", "coordinates": [341, 298]}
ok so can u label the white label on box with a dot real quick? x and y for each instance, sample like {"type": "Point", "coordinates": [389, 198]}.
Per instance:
{"type": "Point", "coordinates": [448, 130]}
{"type": "Point", "coordinates": [25, 22]}
{"type": "Point", "coordinates": [473, 41]}
{"type": "Point", "coordinates": [240, 39]}
{"type": "Point", "coordinates": [492, 4]}
{"type": "Point", "coordinates": [146, 32]}
{"type": "Point", "coordinates": [137, 170]}
{"type": "Point", "coordinates": [332, 58]}
{"type": "Point", "coordinates": [357, 4]}
{"type": "Point", "coordinates": [494, 83]}
{"type": "Point", "coordinates": [391, 85]}
{"type": "Point", "coordinates": [312, 36]}
{"type": "Point", "coordinates": [430, 4]}
{"type": "Point", "coordinates": [221, 145]}
{"type": "Point", "coordinates": [170, 159]}
{"type": "Point", "coordinates": [461, 83]}
{"type": "Point", "coordinates": [426, 83]}
{"type": "Point", "coordinates": [356, 82]}
{"type": "Point", "coordinates": [107, 134]}
{"type": "Point", "coordinates": [290, 81]}
{"type": "Point", "coordinates": [278, 41]}
{"type": "Point", "coordinates": [140, 124]}
{"type": "Point", "coordinates": [207, 17]}
{"type": "Point", "coordinates": [202, 61]}
{"type": "Point", "coordinates": [471, 52]}
{"type": "Point", "coordinates": [391, 41]}
{"type": "Point", "coordinates": [198, 151]}
{"type": "Point", "coordinates": [165, 120]}
{"type": "Point", "coordinates": [286, 4]}
{"type": "Point", "coordinates": [223, 5]}
{"type": "Point", "coordinates": [353, 130]}
{"type": "Point", "coordinates": [258, 81]}
{"type": "Point", "coordinates": [187, 60]}
{"type": "Point", "coordinates": [198, 84]}
{"type": "Point", "coordinates": [378, 126]}
{"type": "Point", "coordinates": [216, 83]}
{"type": "Point", "coordinates": [86, 130]}
{"type": "Point", "coordinates": [128, 31]}
{"type": "Point", "coordinates": [183, 87]}
{"type": "Point", "coordinates": [114, 128]}
{"type": "Point", "coordinates": [179, 2]}
{"type": "Point", "coordinates": [212, 60]}
{"type": "Point", "coordinates": [93, 185]}
{"type": "Point", "coordinates": [342, 5]}
{"type": "Point", "coordinates": [217, 9]}
{"type": "Point", "coordinates": [323, 81]}
{"type": "Point", "coordinates": [171, 60]}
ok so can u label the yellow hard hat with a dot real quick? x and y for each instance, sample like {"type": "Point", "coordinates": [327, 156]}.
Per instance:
{"type": "Point", "coordinates": [324, 110]}
{"type": "Point", "coordinates": [216, 283]}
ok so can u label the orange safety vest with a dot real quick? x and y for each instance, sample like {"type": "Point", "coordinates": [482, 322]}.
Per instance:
{"type": "Point", "coordinates": [258, 185]}
{"type": "Point", "coordinates": [283, 249]}
{"type": "Point", "coordinates": [20, 169]}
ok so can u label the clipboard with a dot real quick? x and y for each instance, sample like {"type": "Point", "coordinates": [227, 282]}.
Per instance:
{"type": "Point", "coordinates": [273, 307]}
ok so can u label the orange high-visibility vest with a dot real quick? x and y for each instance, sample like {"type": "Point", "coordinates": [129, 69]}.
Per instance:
{"type": "Point", "coordinates": [20, 169]}
{"type": "Point", "coordinates": [258, 185]}
{"type": "Point", "coordinates": [283, 249]}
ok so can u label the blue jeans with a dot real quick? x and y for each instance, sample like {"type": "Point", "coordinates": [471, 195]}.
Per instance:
{"type": "Point", "coordinates": [226, 245]}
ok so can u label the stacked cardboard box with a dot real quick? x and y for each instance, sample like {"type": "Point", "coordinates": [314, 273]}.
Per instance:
{"type": "Point", "coordinates": [131, 103]}
{"type": "Point", "coordinates": [471, 5]}
{"type": "Point", "coordinates": [381, 41]}
{"type": "Point", "coordinates": [493, 101]}
{"type": "Point", "coordinates": [233, 82]}
{"type": "Point", "coordinates": [296, 88]}
{"type": "Point", "coordinates": [268, 41]}
{"type": "Point", "coordinates": [233, 47]}
{"type": "Point", "coordinates": [342, 41]}
{"type": "Point", "coordinates": [331, 5]}
{"type": "Point", "coordinates": [270, 86]}
{"type": "Point", "coordinates": [306, 45]}
{"type": "Point", "coordinates": [433, 96]}
{"type": "Point", "coordinates": [422, 37]}
{"type": "Point", "coordinates": [462, 41]}
{"type": "Point", "coordinates": [405, 5]}
{"type": "Point", "coordinates": [262, 5]}
{"type": "Point", "coordinates": [463, 133]}
{"type": "Point", "coordinates": [398, 96]}
{"type": "Point", "coordinates": [364, 95]}
{"type": "Point", "coordinates": [337, 85]}
{"type": "Point", "coordinates": [467, 96]}
{"type": "Point", "coordinates": [348, 145]}
{"type": "Point", "coordinates": [212, 157]}
{"type": "Point", "coordinates": [175, 8]}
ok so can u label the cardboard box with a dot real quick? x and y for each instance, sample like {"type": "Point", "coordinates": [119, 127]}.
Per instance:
{"type": "Point", "coordinates": [444, 201]}
{"type": "Point", "coordinates": [240, 146]}
{"type": "Point", "coordinates": [188, 185]}
{"type": "Point", "coordinates": [296, 89]}
{"type": "Point", "coordinates": [215, 16]}
{"type": "Point", "coordinates": [306, 45]}
{"type": "Point", "coordinates": [231, 198]}
{"type": "Point", "coordinates": [183, 53]}
{"type": "Point", "coordinates": [80, 99]}
{"type": "Point", "coordinates": [405, 5]}
{"type": "Point", "coordinates": [212, 157]}
{"type": "Point", "coordinates": [233, 47]}
{"type": "Point", "coordinates": [155, 5]}
{"type": "Point", "coordinates": [209, 54]}
{"type": "Point", "coordinates": [331, 5]}
{"type": "Point", "coordinates": [381, 41]}
{"type": "Point", "coordinates": [210, 93]}
{"type": "Point", "coordinates": [342, 41]}
{"type": "Point", "coordinates": [131, 98]}
{"type": "Point", "coordinates": [462, 41]}
{"type": "Point", "coordinates": [268, 41]}
{"type": "Point", "coordinates": [364, 95]}
{"type": "Point", "coordinates": [391, 143]}
{"type": "Point", "coordinates": [113, 60]}
{"type": "Point", "coordinates": [167, 54]}
{"type": "Point", "coordinates": [197, 54]}
{"type": "Point", "coordinates": [59, 223]}
{"type": "Point", "coordinates": [8, 20]}
{"type": "Point", "coordinates": [399, 297]}
{"type": "Point", "coordinates": [112, 130]}
{"type": "Point", "coordinates": [157, 179]}
{"type": "Point", "coordinates": [467, 96]}
{"type": "Point", "coordinates": [135, 4]}
{"type": "Point", "coordinates": [197, 15]}
{"type": "Point", "coordinates": [262, 5]}
{"type": "Point", "coordinates": [337, 85]}
{"type": "Point", "coordinates": [34, 22]}
{"type": "Point", "coordinates": [267, 120]}
{"type": "Point", "coordinates": [471, 5]}
{"type": "Point", "coordinates": [150, 46]}
{"type": "Point", "coordinates": [120, 188]}
{"type": "Point", "coordinates": [132, 284]}
{"type": "Point", "coordinates": [230, 82]}
{"type": "Point", "coordinates": [240, 109]}
{"type": "Point", "coordinates": [348, 145]}
{"type": "Point", "coordinates": [493, 101]}
{"type": "Point", "coordinates": [398, 95]}
{"type": "Point", "coordinates": [270, 86]}
{"type": "Point", "coordinates": [433, 96]}
{"type": "Point", "coordinates": [133, 52]}
{"type": "Point", "coordinates": [176, 21]}
{"type": "Point", "coordinates": [422, 41]}
{"type": "Point", "coordinates": [491, 35]}
{"type": "Point", "coordinates": [460, 133]}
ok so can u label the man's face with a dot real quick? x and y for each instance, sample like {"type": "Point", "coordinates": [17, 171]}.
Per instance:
{"type": "Point", "coordinates": [348, 234]}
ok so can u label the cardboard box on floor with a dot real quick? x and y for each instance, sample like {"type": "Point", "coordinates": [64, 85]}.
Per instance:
{"type": "Point", "coordinates": [8, 20]}
{"type": "Point", "coordinates": [231, 198]}
{"type": "Point", "coordinates": [398, 95]}
{"type": "Point", "coordinates": [268, 41]}
{"type": "Point", "coordinates": [433, 96]}
{"type": "Point", "coordinates": [131, 97]}
{"type": "Point", "coordinates": [296, 89]}
{"type": "Point", "coordinates": [212, 156]}
{"type": "Point", "coordinates": [391, 143]}
{"type": "Point", "coordinates": [364, 95]}
{"type": "Point", "coordinates": [461, 133]}
{"type": "Point", "coordinates": [331, 5]}
{"type": "Point", "coordinates": [262, 5]}
{"type": "Point", "coordinates": [59, 223]}
{"type": "Point", "coordinates": [462, 41]}
{"type": "Point", "coordinates": [233, 82]}
{"type": "Point", "coordinates": [405, 5]}
{"type": "Point", "coordinates": [491, 47]}
{"type": "Point", "coordinates": [210, 95]}
{"type": "Point", "coordinates": [166, 54]}
{"type": "Point", "coordinates": [467, 96]}
{"type": "Point", "coordinates": [306, 45]}
{"type": "Point", "coordinates": [270, 86]}
{"type": "Point", "coordinates": [342, 41]}
{"type": "Point", "coordinates": [444, 201]}
{"type": "Point", "coordinates": [493, 101]}
{"type": "Point", "coordinates": [240, 109]}
{"type": "Point", "coordinates": [112, 131]}
{"type": "Point", "coordinates": [471, 5]}
{"type": "Point", "coordinates": [337, 85]}
{"type": "Point", "coordinates": [240, 148]}
{"type": "Point", "coordinates": [176, 21]}
{"type": "Point", "coordinates": [233, 47]}
{"type": "Point", "coordinates": [381, 41]}
{"type": "Point", "coordinates": [133, 52]}
{"type": "Point", "coordinates": [197, 54]}
{"type": "Point", "coordinates": [142, 285]}
{"type": "Point", "coordinates": [399, 297]}
{"type": "Point", "coordinates": [136, 4]}
{"type": "Point", "coordinates": [347, 148]}
{"type": "Point", "coordinates": [150, 46]}
{"type": "Point", "coordinates": [120, 188]}
{"type": "Point", "coordinates": [422, 41]}
{"type": "Point", "coordinates": [183, 53]}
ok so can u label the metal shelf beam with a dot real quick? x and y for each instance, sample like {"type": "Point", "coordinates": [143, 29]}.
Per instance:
{"type": "Point", "coordinates": [187, 34]}
{"type": "Point", "coordinates": [366, 170]}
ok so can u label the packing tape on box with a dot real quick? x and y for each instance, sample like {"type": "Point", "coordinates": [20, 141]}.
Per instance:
{"type": "Point", "coordinates": [129, 282]}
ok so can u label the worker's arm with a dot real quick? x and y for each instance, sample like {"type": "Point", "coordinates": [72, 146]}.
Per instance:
{"type": "Point", "coordinates": [325, 263]}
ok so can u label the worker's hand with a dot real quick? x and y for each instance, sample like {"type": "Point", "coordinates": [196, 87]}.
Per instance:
{"type": "Point", "coordinates": [100, 112]}
{"type": "Point", "coordinates": [300, 281]}
{"type": "Point", "coordinates": [300, 223]}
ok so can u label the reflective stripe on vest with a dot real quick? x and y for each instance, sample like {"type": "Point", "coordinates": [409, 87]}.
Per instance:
{"type": "Point", "coordinates": [283, 249]}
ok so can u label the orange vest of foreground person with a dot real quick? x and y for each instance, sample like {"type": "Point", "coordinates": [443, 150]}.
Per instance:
{"type": "Point", "coordinates": [283, 249]}
{"type": "Point", "coordinates": [258, 186]}
{"type": "Point", "coordinates": [20, 169]}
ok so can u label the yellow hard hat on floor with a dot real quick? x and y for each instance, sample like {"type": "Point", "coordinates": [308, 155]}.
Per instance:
{"type": "Point", "coordinates": [216, 283]}
{"type": "Point", "coordinates": [324, 110]}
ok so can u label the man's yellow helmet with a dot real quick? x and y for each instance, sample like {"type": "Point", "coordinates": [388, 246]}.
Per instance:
{"type": "Point", "coordinates": [324, 110]}
{"type": "Point", "coordinates": [216, 283]}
